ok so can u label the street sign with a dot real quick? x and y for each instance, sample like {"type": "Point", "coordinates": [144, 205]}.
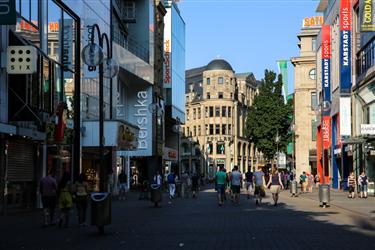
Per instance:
{"type": "Point", "coordinates": [367, 129]}
{"type": "Point", "coordinates": [8, 12]}
{"type": "Point", "coordinates": [21, 60]}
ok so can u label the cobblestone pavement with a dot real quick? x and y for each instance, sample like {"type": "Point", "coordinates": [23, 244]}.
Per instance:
{"type": "Point", "coordinates": [297, 223]}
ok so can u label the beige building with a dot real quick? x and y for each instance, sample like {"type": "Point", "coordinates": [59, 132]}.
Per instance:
{"type": "Point", "coordinates": [305, 101]}
{"type": "Point", "coordinates": [217, 102]}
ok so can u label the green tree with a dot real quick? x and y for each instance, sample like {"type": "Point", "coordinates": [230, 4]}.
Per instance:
{"type": "Point", "coordinates": [269, 117]}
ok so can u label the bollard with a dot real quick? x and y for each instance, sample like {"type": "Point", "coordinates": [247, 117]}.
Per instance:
{"type": "Point", "coordinates": [324, 195]}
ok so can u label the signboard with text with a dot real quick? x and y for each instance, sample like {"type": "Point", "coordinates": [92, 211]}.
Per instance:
{"type": "Point", "coordinates": [326, 62]}
{"type": "Point", "coordinates": [345, 46]}
{"type": "Point", "coordinates": [167, 76]}
{"type": "Point", "coordinates": [366, 12]}
{"type": "Point", "coordinates": [367, 129]}
{"type": "Point", "coordinates": [8, 12]}
{"type": "Point", "coordinates": [326, 132]}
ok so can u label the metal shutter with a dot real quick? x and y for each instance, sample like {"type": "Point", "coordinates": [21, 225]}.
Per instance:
{"type": "Point", "coordinates": [20, 161]}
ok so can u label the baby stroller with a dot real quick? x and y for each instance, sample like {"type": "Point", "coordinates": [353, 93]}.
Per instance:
{"type": "Point", "coordinates": [143, 195]}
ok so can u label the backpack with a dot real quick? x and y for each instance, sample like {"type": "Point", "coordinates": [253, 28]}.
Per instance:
{"type": "Point", "coordinates": [170, 178]}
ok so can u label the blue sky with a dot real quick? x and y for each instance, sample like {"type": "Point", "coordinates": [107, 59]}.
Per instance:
{"type": "Point", "coordinates": [250, 34]}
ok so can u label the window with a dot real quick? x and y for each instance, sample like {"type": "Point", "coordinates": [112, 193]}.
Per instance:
{"type": "Point", "coordinates": [187, 114]}
{"type": "Point", "coordinates": [208, 95]}
{"type": "Point", "coordinates": [229, 111]}
{"type": "Point", "coordinates": [312, 74]}
{"type": "Point", "coordinates": [208, 81]}
{"type": "Point", "coordinates": [224, 111]}
{"type": "Point", "coordinates": [217, 111]}
{"type": "Point", "coordinates": [220, 80]}
{"type": "Point", "coordinates": [207, 131]}
{"type": "Point", "coordinates": [314, 101]}
{"type": "Point", "coordinates": [229, 129]}
{"type": "Point", "coordinates": [199, 130]}
{"type": "Point", "coordinates": [220, 95]}
{"type": "Point", "coordinates": [211, 111]}
{"type": "Point", "coordinates": [206, 112]}
{"type": "Point", "coordinates": [199, 113]}
{"type": "Point", "coordinates": [231, 96]}
{"type": "Point", "coordinates": [220, 148]}
{"type": "Point", "coordinates": [224, 129]}
{"type": "Point", "coordinates": [313, 45]}
{"type": "Point", "coordinates": [313, 130]}
{"type": "Point", "coordinates": [217, 129]}
{"type": "Point", "coordinates": [187, 131]}
{"type": "Point", "coordinates": [195, 131]}
{"type": "Point", "coordinates": [211, 129]}
{"type": "Point", "coordinates": [209, 148]}
{"type": "Point", "coordinates": [194, 114]}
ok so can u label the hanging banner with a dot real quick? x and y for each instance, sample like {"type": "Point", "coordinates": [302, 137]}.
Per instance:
{"type": "Point", "coordinates": [326, 131]}
{"type": "Point", "coordinates": [283, 70]}
{"type": "Point", "coordinates": [366, 12]}
{"type": "Point", "coordinates": [326, 62]}
{"type": "Point", "coordinates": [345, 46]}
{"type": "Point", "coordinates": [345, 117]}
{"type": "Point", "coordinates": [167, 50]}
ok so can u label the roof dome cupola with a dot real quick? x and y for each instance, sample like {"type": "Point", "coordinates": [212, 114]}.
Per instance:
{"type": "Point", "coordinates": [219, 64]}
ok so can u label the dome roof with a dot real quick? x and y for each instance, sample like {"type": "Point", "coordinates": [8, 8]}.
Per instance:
{"type": "Point", "coordinates": [219, 64]}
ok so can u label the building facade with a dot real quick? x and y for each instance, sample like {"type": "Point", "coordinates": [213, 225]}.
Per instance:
{"type": "Point", "coordinates": [305, 101]}
{"type": "Point", "coordinates": [217, 102]}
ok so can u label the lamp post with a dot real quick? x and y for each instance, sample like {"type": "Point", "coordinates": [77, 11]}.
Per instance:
{"type": "Point", "coordinates": [93, 56]}
{"type": "Point", "coordinates": [277, 140]}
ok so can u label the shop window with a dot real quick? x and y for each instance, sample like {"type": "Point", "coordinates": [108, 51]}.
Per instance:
{"type": "Point", "coordinates": [220, 148]}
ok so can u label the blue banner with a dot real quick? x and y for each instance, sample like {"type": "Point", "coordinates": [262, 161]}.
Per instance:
{"type": "Point", "coordinates": [326, 79]}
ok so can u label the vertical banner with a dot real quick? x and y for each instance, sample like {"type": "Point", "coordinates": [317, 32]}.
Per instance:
{"type": "Point", "coordinates": [366, 12]}
{"type": "Point", "coordinates": [326, 132]}
{"type": "Point", "coordinates": [345, 117]}
{"type": "Point", "coordinates": [345, 46]}
{"type": "Point", "coordinates": [283, 70]}
{"type": "Point", "coordinates": [167, 49]}
{"type": "Point", "coordinates": [326, 62]}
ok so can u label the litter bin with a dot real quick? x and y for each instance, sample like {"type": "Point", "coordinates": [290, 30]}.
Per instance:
{"type": "Point", "coordinates": [101, 210]}
{"type": "Point", "coordinates": [293, 188]}
{"type": "Point", "coordinates": [324, 195]}
{"type": "Point", "coordinates": [155, 194]}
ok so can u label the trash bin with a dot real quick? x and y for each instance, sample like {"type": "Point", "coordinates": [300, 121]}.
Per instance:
{"type": "Point", "coordinates": [101, 209]}
{"type": "Point", "coordinates": [155, 193]}
{"type": "Point", "coordinates": [371, 188]}
{"type": "Point", "coordinates": [293, 188]}
{"type": "Point", "coordinates": [324, 195]}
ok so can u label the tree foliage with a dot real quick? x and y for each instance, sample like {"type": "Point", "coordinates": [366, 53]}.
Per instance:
{"type": "Point", "coordinates": [269, 116]}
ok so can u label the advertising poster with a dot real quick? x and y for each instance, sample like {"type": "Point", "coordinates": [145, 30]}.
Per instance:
{"type": "Point", "coordinates": [345, 46]}
{"type": "Point", "coordinates": [326, 62]}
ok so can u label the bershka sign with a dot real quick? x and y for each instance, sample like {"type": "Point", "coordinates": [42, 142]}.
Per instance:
{"type": "Point", "coordinates": [367, 15]}
{"type": "Point", "coordinates": [8, 12]}
{"type": "Point", "coordinates": [326, 131]}
{"type": "Point", "coordinates": [345, 47]}
{"type": "Point", "coordinates": [142, 119]}
{"type": "Point", "coordinates": [326, 62]}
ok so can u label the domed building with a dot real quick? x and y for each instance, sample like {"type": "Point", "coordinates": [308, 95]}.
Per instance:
{"type": "Point", "coordinates": [217, 104]}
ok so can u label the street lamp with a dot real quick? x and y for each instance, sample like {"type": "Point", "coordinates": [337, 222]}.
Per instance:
{"type": "Point", "coordinates": [277, 140]}
{"type": "Point", "coordinates": [93, 56]}
{"type": "Point", "coordinates": [190, 138]}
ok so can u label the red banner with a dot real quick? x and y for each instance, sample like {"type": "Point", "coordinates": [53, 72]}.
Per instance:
{"type": "Point", "coordinates": [345, 17]}
{"type": "Point", "coordinates": [326, 131]}
{"type": "Point", "coordinates": [326, 42]}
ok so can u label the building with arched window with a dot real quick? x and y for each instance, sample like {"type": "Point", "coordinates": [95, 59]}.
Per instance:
{"type": "Point", "coordinates": [217, 103]}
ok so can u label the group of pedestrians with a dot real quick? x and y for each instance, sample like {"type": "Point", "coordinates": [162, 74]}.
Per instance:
{"type": "Point", "coordinates": [362, 183]}
{"type": "Point", "coordinates": [63, 195]}
{"type": "Point", "coordinates": [252, 181]}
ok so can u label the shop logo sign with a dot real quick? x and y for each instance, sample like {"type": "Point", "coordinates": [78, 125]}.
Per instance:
{"type": "Point", "coordinates": [21, 60]}
{"type": "Point", "coordinates": [8, 12]}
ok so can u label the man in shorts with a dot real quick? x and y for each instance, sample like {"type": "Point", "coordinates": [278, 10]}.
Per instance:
{"type": "Point", "coordinates": [259, 186]}
{"type": "Point", "coordinates": [236, 178]}
{"type": "Point", "coordinates": [249, 182]}
{"type": "Point", "coordinates": [220, 180]}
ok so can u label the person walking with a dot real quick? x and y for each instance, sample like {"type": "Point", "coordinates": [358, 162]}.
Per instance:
{"type": "Point", "coordinates": [351, 185]}
{"type": "Point", "coordinates": [156, 196]}
{"type": "Point", "coordinates": [48, 190]}
{"type": "Point", "coordinates": [81, 196]}
{"type": "Point", "coordinates": [195, 184]}
{"type": "Point", "coordinates": [220, 180]}
{"type": "Point", "coordinates": [363, 182]}
{"type": "Point", "coordinates": [310, 183]}
{"type": "Point", "coordinates": [276, 185]}
{"type": "Point", "coordinates": [259, 186]}
{"type": "Point", "coordinates": [65, 200]}
{"type": "Point", "coordinates": [249, 182]}
{"type": "Point", "coordinates": [171, 179]}
{"type": "Point", "coordinates": [303, 181]}
{"type": "Point", "coordinates": [317, 180]}
{"type": "Point", "coordinates": [236, 178]}
{"type": "Point", "coordinates": [122, 180]}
